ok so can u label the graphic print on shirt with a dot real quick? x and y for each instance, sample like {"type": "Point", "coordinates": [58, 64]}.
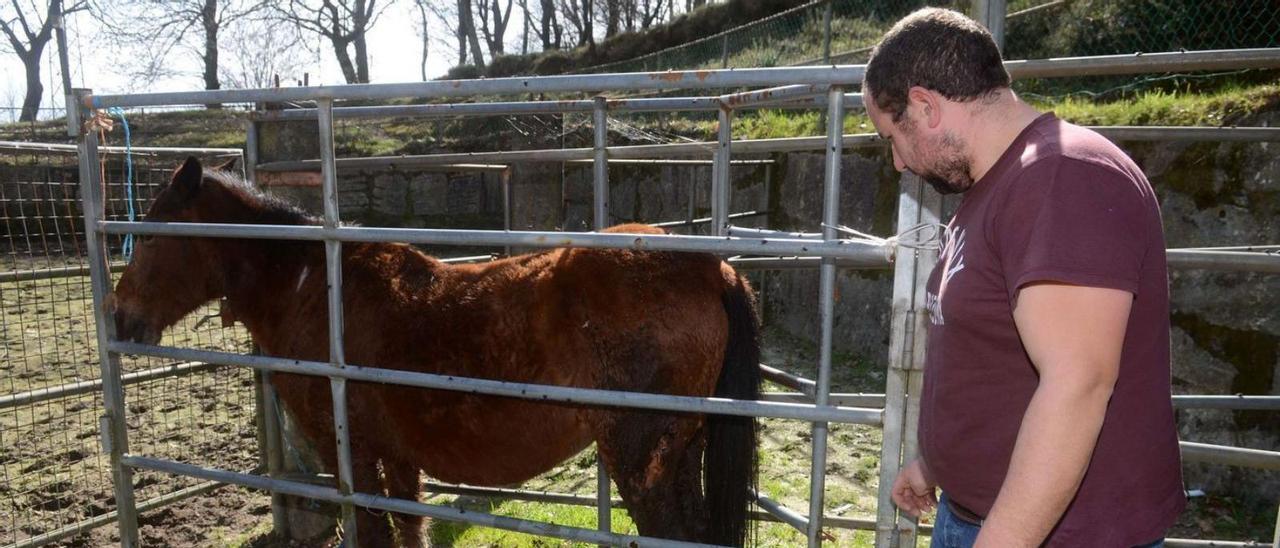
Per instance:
{"type": "Point", "coordinates": [952, 259]}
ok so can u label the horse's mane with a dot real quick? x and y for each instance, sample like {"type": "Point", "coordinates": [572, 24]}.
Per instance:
{"type": "Point", "coordinates": [269, 209]}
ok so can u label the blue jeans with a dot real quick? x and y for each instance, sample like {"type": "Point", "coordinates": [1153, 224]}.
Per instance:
{"type": "Point", "coordinates": [950, 532]}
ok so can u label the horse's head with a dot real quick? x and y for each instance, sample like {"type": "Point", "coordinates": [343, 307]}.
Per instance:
{"type": "Point", "coordinates": [169, 277]}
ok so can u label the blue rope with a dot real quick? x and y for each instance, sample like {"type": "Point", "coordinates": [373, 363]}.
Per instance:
{"type": "Point", "coordinates": [128, 180]}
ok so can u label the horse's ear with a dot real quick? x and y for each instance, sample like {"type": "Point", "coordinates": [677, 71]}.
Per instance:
{"type": "Point", "coordinates": [186, 180]}
{"type": "Point", "coordinates": [229, 165]}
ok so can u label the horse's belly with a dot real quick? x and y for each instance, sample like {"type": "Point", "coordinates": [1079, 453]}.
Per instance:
{"type": "Point", "coordinates": [495, 441]}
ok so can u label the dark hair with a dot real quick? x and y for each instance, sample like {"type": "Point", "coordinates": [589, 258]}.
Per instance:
{"type": "Point", "coordinates": [936, 49]}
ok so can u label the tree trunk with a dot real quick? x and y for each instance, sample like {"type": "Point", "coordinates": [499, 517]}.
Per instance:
{"type": "Point", "coordinates": [613, 12]}
{"type": "Point", "coordinates": [35, 90]}
{"type": "Point", "coordinates": [467, 27]}
{"type": "Point", "coordinates": [362, 58]}
{"type": "Point", "coordinates": [548, 11]}
{"type": "Point", "coordinates": [524, 37]}
{"type": "Point", "coordinates": [209, 20]}
{"type": "Point", "coordinates": [588, 24]}
{"type": "Point", "coordinates": [344, 61]}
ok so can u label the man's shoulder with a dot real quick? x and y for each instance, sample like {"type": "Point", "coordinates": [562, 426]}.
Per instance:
{"type": "Point", "coordinates": [1061, 143]}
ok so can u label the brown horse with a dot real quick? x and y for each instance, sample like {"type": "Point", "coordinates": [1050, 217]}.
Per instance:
{"type": "Point", "coordinates": [645, 321]}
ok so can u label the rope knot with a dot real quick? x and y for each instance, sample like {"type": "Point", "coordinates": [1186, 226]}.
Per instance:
{"type": "Point", "coordinates": [100, 122]}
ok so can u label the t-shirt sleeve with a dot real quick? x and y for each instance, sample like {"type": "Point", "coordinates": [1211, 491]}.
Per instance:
{"type": "Point", "coordinates": [1074, 222]}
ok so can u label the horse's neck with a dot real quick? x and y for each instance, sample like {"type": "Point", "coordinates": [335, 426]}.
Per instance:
{"type": "Point", "coordinates": [268, 281]}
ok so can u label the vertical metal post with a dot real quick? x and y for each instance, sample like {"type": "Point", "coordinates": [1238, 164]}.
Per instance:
{"type": "Point", "coordinates": [1276, 542]}
{"type": "Point", "coordinates": [337, 356]}
{"type": "Point", "coordinates": [991, 14]}
{"type": "Point", "coordinates": [600, 221]}
{"type": "Point", "coordinates": [115, 437]}
{"type": "Point", "coordinates": [64, 63]}
{"type": "Point", "coordinates": [601, 164]}
{"type": "Point", "coordinates": [505, 177]}
{"type": "Point", "coordinates": [271, 442]}
{"type": "Point", "coordinates": [251, 152]}
{"type": "Point", "coordinates": [724, 51]}
{"type": "Point", "coordinates": [826, 303]}
{"type": "Point", "coordinates": [916, 204]}
{"type": "Point", "coordinates": [720, 174]}
{"type": "Point", "coordinates": [826, 33]}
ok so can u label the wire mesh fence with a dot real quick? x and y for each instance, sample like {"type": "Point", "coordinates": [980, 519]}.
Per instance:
{"type": "Point", "coordinates": [53, 473]}
{"type": "Point", "coordinates": [1035, 29]}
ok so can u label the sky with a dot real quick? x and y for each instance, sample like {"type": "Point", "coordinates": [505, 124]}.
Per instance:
{"type": "Point", "coordinates": [394, 52]}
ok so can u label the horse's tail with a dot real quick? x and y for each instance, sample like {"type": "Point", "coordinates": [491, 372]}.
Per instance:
{"type": "Point", "coordinates": [730, 462]}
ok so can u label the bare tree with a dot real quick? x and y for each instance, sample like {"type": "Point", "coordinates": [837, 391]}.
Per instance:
{"type": "Point", "coordinates": [493, 23]}
{"type": "Point", "coordinates": [424, 27]}
{"type": "Point", "coordinates": [344, 23]}
{"type": "Point", "coordinates": [549, 30]}
{"type": "Point", "coordinates": [28, 35]}
{"type": "Point", "coordinates": [579, 15]}
{"type": "Point", "coordinates": [190, 27]}
{"type": "Point", "coordinates": [259, 52]}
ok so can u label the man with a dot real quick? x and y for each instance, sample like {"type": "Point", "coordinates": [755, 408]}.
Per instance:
{"type": "Point", "coordinates": [1045, 416]}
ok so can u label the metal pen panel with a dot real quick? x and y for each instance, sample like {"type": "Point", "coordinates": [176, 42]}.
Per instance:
{"type": "Point", "coordinates": [114, 430]}
{"type": "Point", "coordinates": [720, 173]}
{"type": "Point", "coordinates": [538, 392]}
{"type": "Point", "coordinates": [826, 303]}
{"type": "Point", "coordinates": [337, 354]}
{"type": "Point", "coordinates": [600, 221]}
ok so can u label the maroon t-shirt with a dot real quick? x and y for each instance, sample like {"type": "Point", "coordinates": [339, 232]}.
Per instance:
{"type": "Point", "coordinates": [1062, 204]}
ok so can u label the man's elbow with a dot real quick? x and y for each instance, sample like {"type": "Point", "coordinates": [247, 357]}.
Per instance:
{"type": "Point", "coordinates": [1083, 382]}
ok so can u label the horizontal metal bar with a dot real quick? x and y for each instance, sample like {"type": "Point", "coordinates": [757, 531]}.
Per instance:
{"type": "Point", "coordinates": [840, 399]}
{"type": "Point", "coordinates": [1196, 543]}
{"type": "Point", "coordinates": [1139, 63]}
{"type": "Point", "coordinates": [1189, 133]}
{"type": "Point", "coordinates": [1224, 260]}
{"type": "Point", "coordinates": [770, 95]}
{"type": "Point", "coordinates": [518, 494]}
{"type": "Point", "coordinates": [110, 517]}
{"type": "Point", "coordinates": [783, 514]}
{"type": "Point", "coordinates": [470, 259]}
{"type": "Point", "coordinates": [85, 387]}
{"type": "Point", "coordinates": [537, 392]}
{"type": "Point", "coordinates": [671, 162]}
{"type": "Point", "coordinates": [745, 232]}
{"type": "Point", "coordinates": [54, 147]}
{"type": "Point", "coordinates": [1267, 248]}
{"type": "Point", "coordinates": [705, 220]}
{"type": "Point", "coordinates": [797, 263]}
{"type": "Point", "coordinates": [516, 108]}
{"type": "Point", "coordinates": [696, 79]}
{"type": "Point", "coordinates": [700, 148]}
{"type": "Point", "coordinates": [402, 506]}
{"type": "Point", "coordinates": [1234, 456]}
{"type": "Point", "coordinates": [666, 80]}
{"type": "Point", "coordinates": [386, 161]}
{"type": "Point", "coordinates": [794, 382]}
{"type": "Point", "coordinates": [1237, 402]}
{"type": "Point", "coordinates": [859, 252]}
{"type": "Point", "coordinates": [52, 273]}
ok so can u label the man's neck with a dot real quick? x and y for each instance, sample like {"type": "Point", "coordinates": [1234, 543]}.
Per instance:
{"type": "Point", "coordinates": [994, 127]}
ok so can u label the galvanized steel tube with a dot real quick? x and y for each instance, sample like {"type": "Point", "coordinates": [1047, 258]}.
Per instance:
{"type": "Point", "coordinates": [826, 304]}
{"type": "Point", "coordinates": [403, 506]}
{"type": "Point", "coordinates": [115, 432]}
{"type": "Point", "coordinates": [547, 393]}
{"type": "Point", "coordinates": [337, 354]}
{"type": "Point", "coordinates": [720, 173]}
{"type": "Point", "coordinates": [630, 82]}
{"type": "Point", "coordinates": [861, 252]}
{"type": "Point", "coordinates": [1234, 456]}
{"type": "Point", "coordinates": [1139, 63]}
{"type": "Point", "coordinates": [600, 168]}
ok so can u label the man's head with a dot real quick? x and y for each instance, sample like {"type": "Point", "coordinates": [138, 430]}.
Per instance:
{"type": "Point", "coordinates": [928, 63]}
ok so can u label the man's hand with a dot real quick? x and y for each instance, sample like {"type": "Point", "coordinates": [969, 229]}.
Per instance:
{"type": "Point", "coordinates": [914, 489]}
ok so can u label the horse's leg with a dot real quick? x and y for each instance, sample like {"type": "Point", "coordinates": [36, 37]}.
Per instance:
{"type": "Point", "coordinates": [656, 462]}
{"type": "Point", "coordinates": [402, 481]}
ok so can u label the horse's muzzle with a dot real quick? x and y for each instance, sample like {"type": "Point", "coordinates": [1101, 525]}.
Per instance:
{"type": "Point", "coordinates": [133, 328]}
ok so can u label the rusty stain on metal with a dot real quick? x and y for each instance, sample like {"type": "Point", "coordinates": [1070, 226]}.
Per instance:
{"type": "Point", "coordinates": [702, 75]}
{"type": "Point", "coordinates": [668, 76]}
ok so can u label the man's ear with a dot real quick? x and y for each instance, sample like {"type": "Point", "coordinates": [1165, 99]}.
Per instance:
{"type": "Point", "coordinates": [928, 103]}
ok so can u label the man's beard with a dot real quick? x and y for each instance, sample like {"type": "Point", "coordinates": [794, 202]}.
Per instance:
{"type": "Point", "coordinates": [950, 173]}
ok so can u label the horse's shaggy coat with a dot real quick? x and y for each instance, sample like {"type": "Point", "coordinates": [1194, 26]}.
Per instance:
{"type": "Point", "coordinates": [671, 323]}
